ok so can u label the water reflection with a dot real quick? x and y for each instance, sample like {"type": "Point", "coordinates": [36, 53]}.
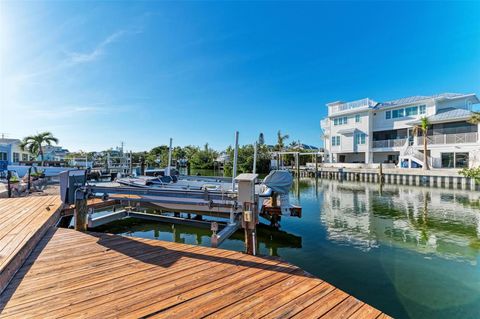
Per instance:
{"type": "Point", "coordinates": [269, 238]}
{"type": "Point", "coordinates": [427, 220]}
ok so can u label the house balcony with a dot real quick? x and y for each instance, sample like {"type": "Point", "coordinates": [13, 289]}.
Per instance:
{"type": "Point", "coordinates": [458, 138]}
{"type": "Point", "coordinates": [325, 124]}
{"type": "Point", "coordinates": [389, 143]}
{"type": "Point", "coordinates": [339, 108]}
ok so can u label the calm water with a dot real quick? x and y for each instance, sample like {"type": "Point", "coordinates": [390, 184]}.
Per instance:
{"type": "Point", "coordinates": [412, 252]}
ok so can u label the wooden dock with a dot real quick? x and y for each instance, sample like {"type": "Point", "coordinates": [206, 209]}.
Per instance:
{"type": "Point", "coordinates": [23, 222]}
{"type": "Point", "coordinates": [94, 275]}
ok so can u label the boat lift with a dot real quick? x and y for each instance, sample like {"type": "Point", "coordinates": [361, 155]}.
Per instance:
{"type": "Point", "coordinates": [241, 208]}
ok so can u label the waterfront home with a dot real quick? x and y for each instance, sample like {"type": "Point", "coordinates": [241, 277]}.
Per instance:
{"type": "Point", "coordinates": [366, 131]}
{"type": "Point", "coordinates": [54, 153]}
{"type": "Point", "coordinates": [11, 153]}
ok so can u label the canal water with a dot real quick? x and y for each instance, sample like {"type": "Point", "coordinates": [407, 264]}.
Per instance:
{"type": "Point", "coordinates": [412, 252]}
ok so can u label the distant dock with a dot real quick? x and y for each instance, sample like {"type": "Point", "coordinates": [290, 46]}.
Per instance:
{"type": "Point", "coordinates": [50, 272]}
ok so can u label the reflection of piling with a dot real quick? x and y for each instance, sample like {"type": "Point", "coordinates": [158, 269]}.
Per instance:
{"type": "Point", "coordinates": [380, 173]}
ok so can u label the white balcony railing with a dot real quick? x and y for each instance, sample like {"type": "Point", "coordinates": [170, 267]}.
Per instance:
{"type": "Point", "coordinates": [363, 103]}
{"type": "Point", "coordinates": [450, 138]}
{"type": "Point", "coordinates": [389, 143]}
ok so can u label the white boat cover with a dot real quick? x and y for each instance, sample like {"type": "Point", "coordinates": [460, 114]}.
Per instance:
{"type": "Point", "coordinates": [280, 181]}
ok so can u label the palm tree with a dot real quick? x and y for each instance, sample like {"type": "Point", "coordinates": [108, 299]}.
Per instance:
{"type": "Point", "coordinates": [474, 118]}
{"type": "Point", "coordinates": [281, 140]}
{"type": "Point", "coordinates": [34, 143]}
{"type": "Point", "coordinates": [423, 128]}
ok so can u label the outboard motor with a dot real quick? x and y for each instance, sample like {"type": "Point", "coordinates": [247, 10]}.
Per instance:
{"type": "Point", "coordinates": [280, 181]}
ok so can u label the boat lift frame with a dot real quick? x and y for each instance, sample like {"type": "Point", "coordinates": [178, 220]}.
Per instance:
{"type": "Point", "coordinates": [243, 206]}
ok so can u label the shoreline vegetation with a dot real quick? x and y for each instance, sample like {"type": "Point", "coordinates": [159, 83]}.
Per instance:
{"type": "Point", "coordinates": [206, 158]}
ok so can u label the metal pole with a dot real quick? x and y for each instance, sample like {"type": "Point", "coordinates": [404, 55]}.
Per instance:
{"type": "Point", "coordinates": [9, 188]}
{"type": "Point", "coordinates": [254, 158]}
{"type": "Point", "coordinates": [297, 164]}
{"type": "Point", "coordinates": [235, 159]}
{"type": "Point", "coordinates": [131, 164]}
{"type": "Point", "coordinates": [169, 157]}
{"type": "Point", "coordinates": [28, 182]}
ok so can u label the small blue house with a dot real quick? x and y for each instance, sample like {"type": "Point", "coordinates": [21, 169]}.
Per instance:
{"type": "Point", "coordinates": [5, 154]}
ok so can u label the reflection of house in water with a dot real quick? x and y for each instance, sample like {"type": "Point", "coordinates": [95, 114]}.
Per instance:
{"type": "Point", "coordinates": [442, 222]}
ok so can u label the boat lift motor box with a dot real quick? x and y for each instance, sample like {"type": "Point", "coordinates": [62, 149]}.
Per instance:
{"type": "Point", "coordinates": [70, 181]}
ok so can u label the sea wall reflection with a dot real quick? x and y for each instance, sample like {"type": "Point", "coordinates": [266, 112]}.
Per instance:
{"type": "Point", "coordinates": [442, 222]}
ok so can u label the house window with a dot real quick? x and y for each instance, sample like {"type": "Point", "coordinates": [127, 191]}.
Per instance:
{"type": "Point", "coordinates": [360, 138]}
{"type": "Point", "coordinates": [413, 110]}
{"type": "Point", "coordinates": [454, 160]}
{"type": "Point", "coordinates": [25, 157]}
{"type": "Point", "coordinates": [398, 113]}
{"type": "Point", "coordinates": [16, 157]}
{"type": "Point", "coordinates": [388, 115]}
{"type": "Point", "coordinates": [336, 141]}
{"type": "Point", "coordinates": [423, 109]}
{"type": "Point", "coordinates": [340, 120]}
{"type": "Point", "coordinates": [357, 118]}
{"type": "Point", "coordinates": [461, 160]}
{"type": "Point", "coordinates": [3, 156]}
{"type": "Point", "coordinates": [447, 160]}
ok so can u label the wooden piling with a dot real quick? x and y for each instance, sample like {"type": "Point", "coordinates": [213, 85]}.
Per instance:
{"type": "Point", "coordinates": [81, 214]}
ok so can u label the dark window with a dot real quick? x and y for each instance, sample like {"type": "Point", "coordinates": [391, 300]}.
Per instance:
{"type": "Point", "coordinates": [388, 115]}
{"type": "Point", "coordinates": [413, 110]}
{"type": "Point", "coordinates": [461, 160]}
{"type": "Point", "coordinates": [453, 128]}
{"type": "Point", "coordinates": [390, 135]}
{"type": "Point", "coordinates": [447, 160]}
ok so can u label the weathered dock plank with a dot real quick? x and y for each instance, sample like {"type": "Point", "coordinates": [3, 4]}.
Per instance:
{"type": "Point", "coordinates": [23, 222]}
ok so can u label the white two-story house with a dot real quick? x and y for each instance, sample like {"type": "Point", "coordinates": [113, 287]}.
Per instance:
{"type": "Point", "coordinates": [366, 131]}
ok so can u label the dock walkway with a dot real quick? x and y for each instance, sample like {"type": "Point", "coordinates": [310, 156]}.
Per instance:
{"type": "Point", "coordinates": [23, 222]}
{"type": "Point", "coordinates": [94, 275]}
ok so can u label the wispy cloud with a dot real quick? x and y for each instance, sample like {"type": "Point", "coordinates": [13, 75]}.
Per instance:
{"type": "Point", "coordinates": [84, 57]}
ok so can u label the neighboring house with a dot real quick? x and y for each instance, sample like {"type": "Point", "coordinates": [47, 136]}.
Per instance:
{"type": "Point", "coordinates": [366, 131]}
{"type": "Point", "coordinates": [53, 153]}
{"type": "Point", "coordinates": [297, 146]}
{"type": "Point", "coordinates": [223, 157]}
{"type": "Point", "coordinates": [11, 152]}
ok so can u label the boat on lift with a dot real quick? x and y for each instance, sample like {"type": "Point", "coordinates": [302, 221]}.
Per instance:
{"type": "Point", "coordinates": [276, 184]}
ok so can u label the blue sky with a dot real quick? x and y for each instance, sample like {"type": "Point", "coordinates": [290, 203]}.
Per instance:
{"type": "Point", "coordinates": [98, 73]}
